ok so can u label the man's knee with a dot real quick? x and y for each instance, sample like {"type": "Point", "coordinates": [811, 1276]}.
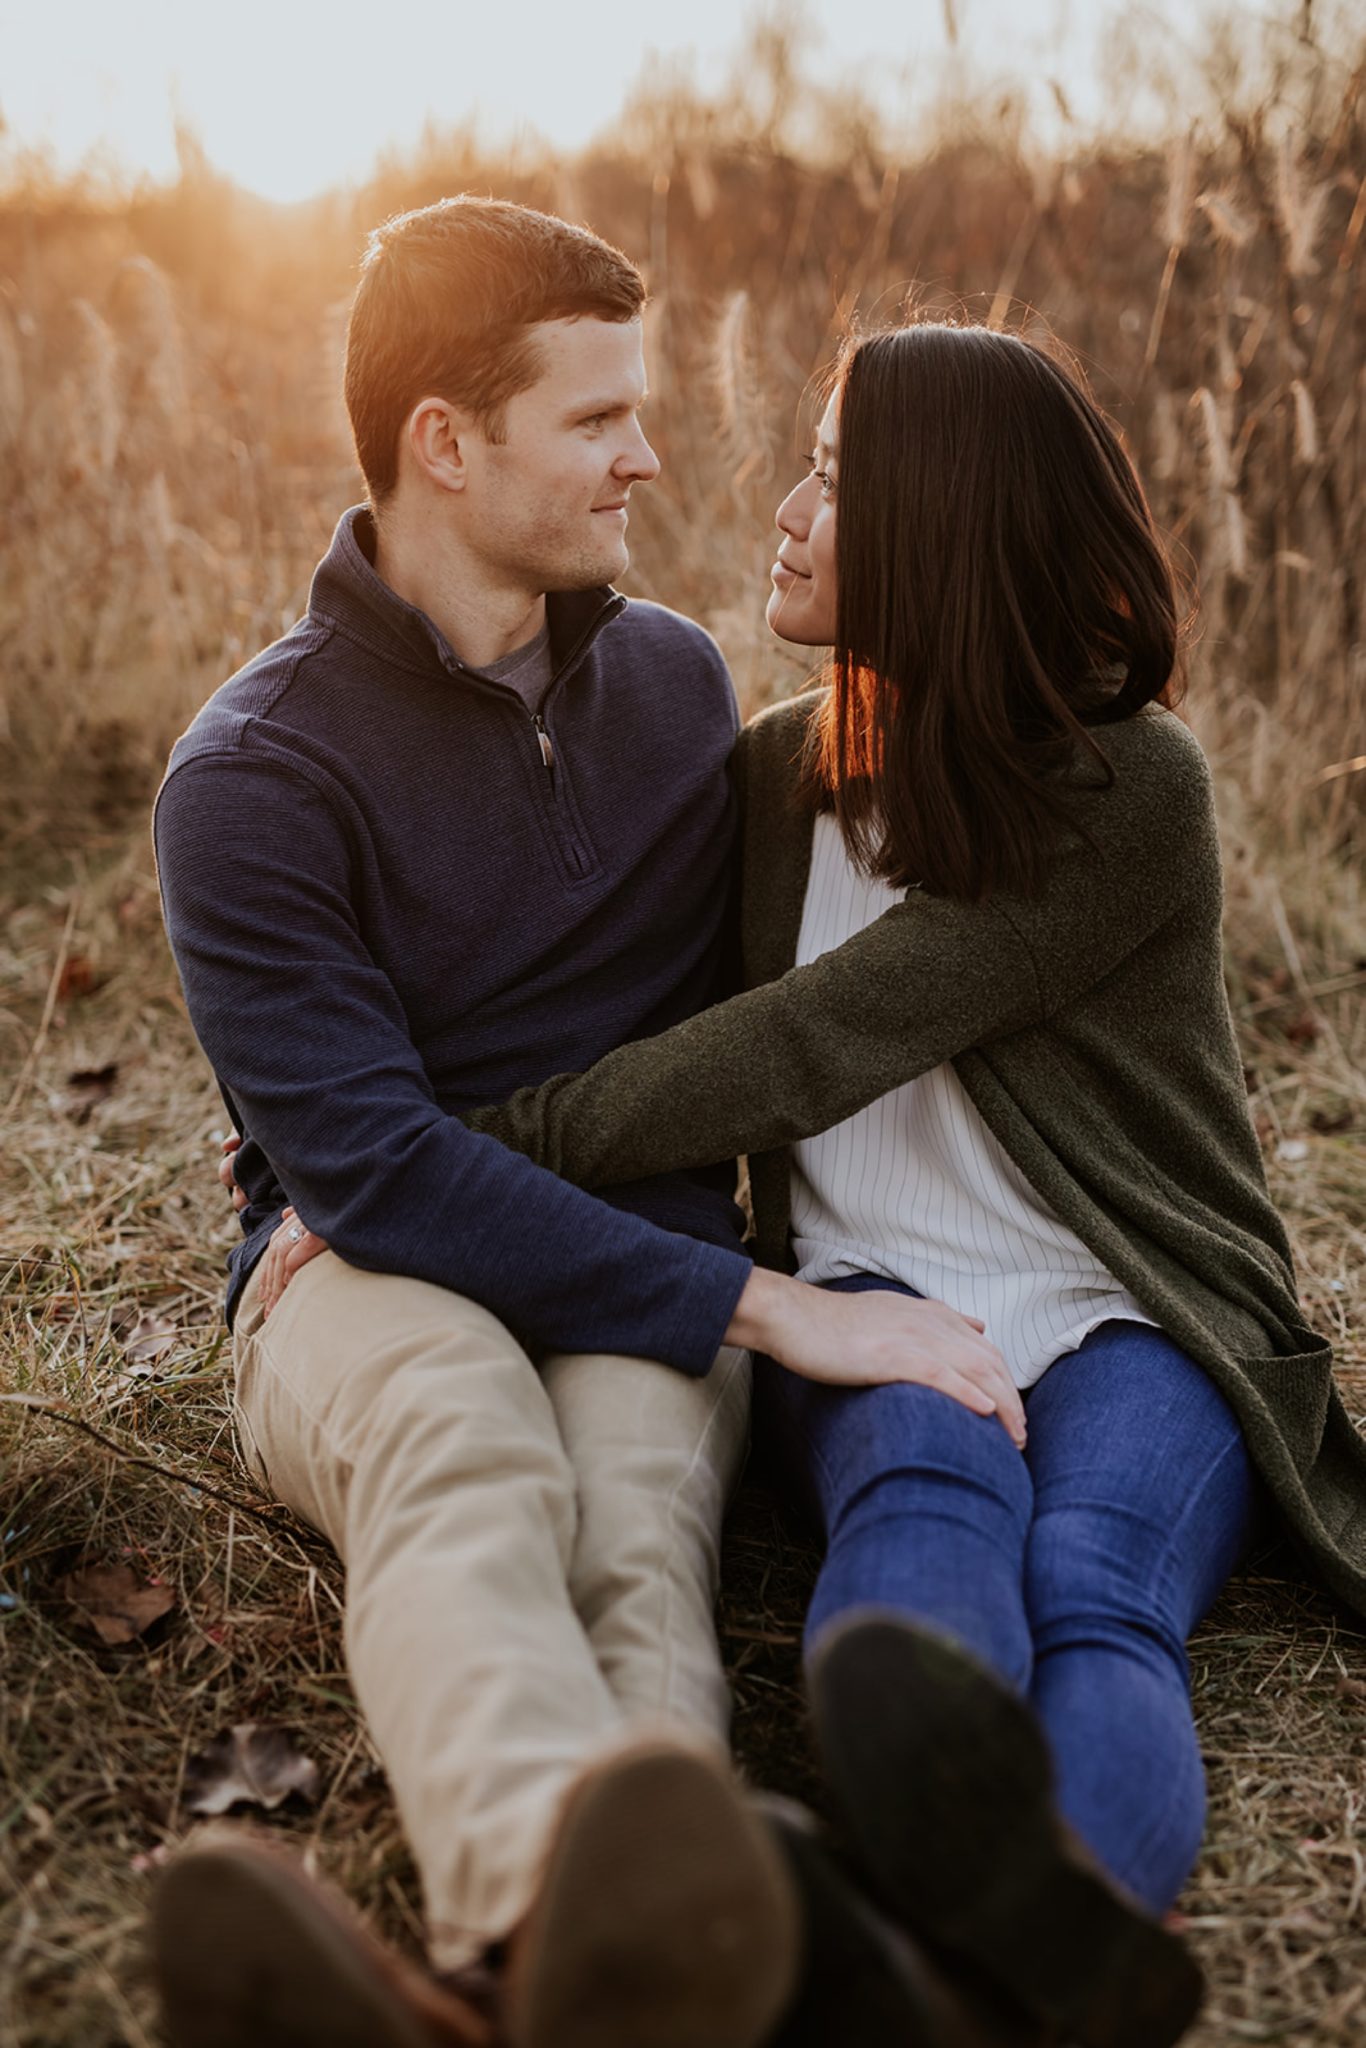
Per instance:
{"type": "Point", "coordinates": [651, 1438]}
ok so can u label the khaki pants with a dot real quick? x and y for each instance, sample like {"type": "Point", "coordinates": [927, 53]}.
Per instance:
{"type": "Point", "coordinates": [531, 1555]}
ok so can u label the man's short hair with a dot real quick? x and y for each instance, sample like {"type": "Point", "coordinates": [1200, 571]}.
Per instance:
{"type": "Point", "coordinates": [447, 296]}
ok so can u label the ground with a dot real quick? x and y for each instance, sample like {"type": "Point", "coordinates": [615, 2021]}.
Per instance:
{"type": "Point", "coordinates": [112, 1233]}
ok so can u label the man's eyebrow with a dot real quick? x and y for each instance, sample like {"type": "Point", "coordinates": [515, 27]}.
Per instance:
{"type": "Point", "coordinates": [585, 408]}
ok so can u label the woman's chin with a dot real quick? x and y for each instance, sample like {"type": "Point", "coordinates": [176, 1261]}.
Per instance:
{"type": "Point", "coordinates": [785, 619]}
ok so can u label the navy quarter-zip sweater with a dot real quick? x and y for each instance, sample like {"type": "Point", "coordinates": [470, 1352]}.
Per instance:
{"type": "Point", "coordinates": [394, 892]}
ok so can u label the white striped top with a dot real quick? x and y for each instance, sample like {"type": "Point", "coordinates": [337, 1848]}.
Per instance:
{"type": "Point", "coordinates": [917, 1189]}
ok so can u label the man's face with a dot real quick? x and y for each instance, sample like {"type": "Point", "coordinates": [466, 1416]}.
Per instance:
{"type": "Point", "coordinates": [547, 504]}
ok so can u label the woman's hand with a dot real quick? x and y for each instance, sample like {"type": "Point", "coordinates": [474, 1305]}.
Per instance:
{"type": "Point", "coordinates": [291, 1246]}
{"type": "Point", "coordinates": [292, 1243]}
{"type": "Point", "coordinates": [875, 1339]}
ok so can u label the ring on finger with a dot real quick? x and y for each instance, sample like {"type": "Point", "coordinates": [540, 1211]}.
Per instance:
{"type": "Point", "coordinates": [296, 1233]}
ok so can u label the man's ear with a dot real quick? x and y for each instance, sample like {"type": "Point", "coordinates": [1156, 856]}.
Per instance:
{"type": "Point", "coordinates": [436, 436]}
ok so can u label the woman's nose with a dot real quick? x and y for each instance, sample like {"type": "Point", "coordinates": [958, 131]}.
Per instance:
{"type": "Point", "coordinates": [792, 516]}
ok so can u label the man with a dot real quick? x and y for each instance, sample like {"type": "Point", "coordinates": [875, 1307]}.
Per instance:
{"type": "Point", "coordinates": [477, 832]}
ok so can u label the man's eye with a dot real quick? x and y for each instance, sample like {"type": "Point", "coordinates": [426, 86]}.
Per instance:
{"type": "Point", "coordinates": [596, 420]}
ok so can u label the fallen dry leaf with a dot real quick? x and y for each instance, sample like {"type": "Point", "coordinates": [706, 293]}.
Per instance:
{"type": "Point", "coordinates": [115, 1602]}
{"type": "Point", "coordinates": [77, 978]}
{"type": "Point", "coordinates": [86, 1088]}
{"type": "Point", "coordinates": [257, 1763]}
{"type": "Point", "coordinates": [144, 1343]}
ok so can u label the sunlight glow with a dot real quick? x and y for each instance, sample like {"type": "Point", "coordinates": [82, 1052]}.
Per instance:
{"type": "Point", "coordinates": [291, 98]}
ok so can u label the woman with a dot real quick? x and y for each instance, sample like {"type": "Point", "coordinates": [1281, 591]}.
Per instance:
{"type": "Point", "coordinates": [985, 1055]}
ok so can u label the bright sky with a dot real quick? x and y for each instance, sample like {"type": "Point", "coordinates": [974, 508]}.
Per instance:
{"type": "Point", "coordinates": [292, 96]}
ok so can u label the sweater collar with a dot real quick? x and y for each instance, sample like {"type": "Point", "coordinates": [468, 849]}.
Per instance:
{"type": "Point", "coordinates": [348, 593]}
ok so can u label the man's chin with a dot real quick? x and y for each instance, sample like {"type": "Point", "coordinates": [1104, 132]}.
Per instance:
{"type": "Point", "coordinates": [591, 575]}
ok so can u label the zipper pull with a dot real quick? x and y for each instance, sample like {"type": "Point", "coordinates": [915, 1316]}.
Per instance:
{"type": "Point", "coordinates": [547, 751]}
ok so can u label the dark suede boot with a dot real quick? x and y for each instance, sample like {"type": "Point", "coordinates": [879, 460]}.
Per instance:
{"type": "Point", "coordinates": [865, 1982]}
{"type": "Point", "coordinates": [942, 1785]}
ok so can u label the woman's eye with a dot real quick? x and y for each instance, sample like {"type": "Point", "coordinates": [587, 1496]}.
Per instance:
{"type": "Point", "coordinates": [822, 476]}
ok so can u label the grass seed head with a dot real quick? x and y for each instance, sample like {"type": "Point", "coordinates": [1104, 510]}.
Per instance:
{"type": "Point", "coordinates": [1231, 226]}
{"type": "Point", "coordinates": [1299, 210]}
{"type": "Point", "coordinates": [1180, 195]}
{"type": "Point", "coordinates": [94, 419]}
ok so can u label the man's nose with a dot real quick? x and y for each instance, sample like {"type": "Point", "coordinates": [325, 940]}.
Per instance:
{"type": "Point", "coordinates": [639, 460]}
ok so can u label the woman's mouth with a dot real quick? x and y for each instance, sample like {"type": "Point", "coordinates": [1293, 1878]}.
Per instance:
{"type": "Point", "coordinates": [783, 575]}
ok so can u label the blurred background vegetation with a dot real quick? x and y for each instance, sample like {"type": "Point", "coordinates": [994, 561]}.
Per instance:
{"type": "Point", "coordinates": [175, 449]}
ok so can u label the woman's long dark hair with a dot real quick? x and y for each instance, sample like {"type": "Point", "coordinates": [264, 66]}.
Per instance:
{"type": "Point", "coordinates": [1001, 589]}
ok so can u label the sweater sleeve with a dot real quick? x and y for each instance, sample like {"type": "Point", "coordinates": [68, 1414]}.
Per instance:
{"type": "Point", "coordinates": [308, 1037]}
{"type": "Point", "coordinates": [929, 979]}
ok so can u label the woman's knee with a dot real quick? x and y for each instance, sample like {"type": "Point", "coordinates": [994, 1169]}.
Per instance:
{"type": "Point", "coordinates": [1094, 1575]}
{"type": "Point", "coordinates": [882, 1439]}
{"type": "Point", "coordinates": [1130, 1567]}
{"type": "Point", "coordinates": [1144, 1489]}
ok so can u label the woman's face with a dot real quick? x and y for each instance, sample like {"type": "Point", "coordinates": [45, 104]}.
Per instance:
{"type": "Point", "coordinates": [802, 606]}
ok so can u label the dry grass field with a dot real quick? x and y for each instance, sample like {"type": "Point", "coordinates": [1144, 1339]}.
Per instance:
{"type": "Point", "coordinates": [174, 456]}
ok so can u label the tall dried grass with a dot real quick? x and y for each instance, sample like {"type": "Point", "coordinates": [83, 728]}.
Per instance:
{"type": "Point", "coordinates": [174, 457]}
{"type": "Point", "coordinates": [175, 449]}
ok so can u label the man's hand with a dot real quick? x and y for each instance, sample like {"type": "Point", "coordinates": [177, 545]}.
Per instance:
{"type": "Point", "coordinates": [231, 1144]}
{"type": "Point", "coordinates": [876, 1339]}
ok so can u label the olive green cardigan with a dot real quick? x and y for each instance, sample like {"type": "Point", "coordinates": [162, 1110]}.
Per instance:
{"type": "Point", "coordinates": [1090, 1027]}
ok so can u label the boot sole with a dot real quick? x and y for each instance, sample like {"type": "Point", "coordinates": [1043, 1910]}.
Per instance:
{"type": "Point", "coordinates": [247, 1956]}
{"type": "Point", "coordinates": [665, 1917]}
{"type": "Point", "coordinates": [943, 1781]}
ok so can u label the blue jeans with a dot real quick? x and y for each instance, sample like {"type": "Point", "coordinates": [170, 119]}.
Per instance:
{"type": "Point", "coordinates": [1075, 1571]}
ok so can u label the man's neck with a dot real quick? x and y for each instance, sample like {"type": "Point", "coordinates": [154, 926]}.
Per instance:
{"type": "Point", "coordinates": [480, 621]}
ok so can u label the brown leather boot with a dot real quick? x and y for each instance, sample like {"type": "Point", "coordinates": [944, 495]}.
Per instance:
{"type": "Point", "coordinates": [666, 1917]}
{"type": "Point", "coordinates": [250, 1952]}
